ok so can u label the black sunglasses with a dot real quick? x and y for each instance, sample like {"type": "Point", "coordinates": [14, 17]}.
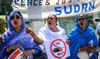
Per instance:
{"type": "Point", "coordinates": [81, 19]}
{"type": "Point", "coordinates": [50, 18]}
{"type": "Point", "coordinates": [17, 16]}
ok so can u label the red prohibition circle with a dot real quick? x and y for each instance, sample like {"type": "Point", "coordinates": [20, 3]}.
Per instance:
{"type": "Point", "coordinates": [64, 52]}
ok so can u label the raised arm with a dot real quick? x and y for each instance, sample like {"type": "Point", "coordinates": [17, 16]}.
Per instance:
{"type": "Point", "coordinates": [35, 37]}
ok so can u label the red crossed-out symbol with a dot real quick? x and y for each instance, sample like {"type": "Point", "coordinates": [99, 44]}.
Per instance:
{"type": "Point", "coordinates": [58, 48]}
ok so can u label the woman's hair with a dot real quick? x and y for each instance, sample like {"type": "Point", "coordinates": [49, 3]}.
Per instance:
{"type": "Point", "coordinates": [54, 16]}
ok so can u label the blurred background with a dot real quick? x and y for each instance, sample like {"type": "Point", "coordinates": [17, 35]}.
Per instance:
{"type": "Point", "coordinates": [33, 14]}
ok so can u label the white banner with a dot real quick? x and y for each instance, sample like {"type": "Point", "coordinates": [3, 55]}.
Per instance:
{"type": "Point", "coordinates": [67, 10]}
{"type": "Point", "coordinates": [38, 9]}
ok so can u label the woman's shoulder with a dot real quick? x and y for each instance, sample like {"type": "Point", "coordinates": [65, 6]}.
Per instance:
{"type": "Point", "coordinates": [73, 29]}
{"type": "Point", "coordinates": [6, 33]}
{"type": "Point", "coordinates": [90, 29]}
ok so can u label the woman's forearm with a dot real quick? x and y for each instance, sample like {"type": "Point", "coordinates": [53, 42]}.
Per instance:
{"type": "Point", "coordinates": [36, 38]}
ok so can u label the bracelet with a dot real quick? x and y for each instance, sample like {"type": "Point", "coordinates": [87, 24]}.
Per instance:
{"type": "Point", "coordinates": [8, 49]}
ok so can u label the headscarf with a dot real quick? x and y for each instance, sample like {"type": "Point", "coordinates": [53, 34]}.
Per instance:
{"type": "Point", "coordinates": [10, 33]}
{"type": "Point", "coordinates": [43, 32]}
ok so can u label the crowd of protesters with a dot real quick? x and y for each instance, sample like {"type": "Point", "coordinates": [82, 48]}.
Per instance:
{"type": "Point", "coordinates": [82, 41]}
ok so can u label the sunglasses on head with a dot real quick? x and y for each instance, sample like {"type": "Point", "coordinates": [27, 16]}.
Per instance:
{"type": "Point", "coordinates": [17, 16]}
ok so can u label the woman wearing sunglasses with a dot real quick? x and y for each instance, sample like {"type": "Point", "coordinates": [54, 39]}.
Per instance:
{"type": "Point", "coordinates": [16, 37]}
{"type": "Point", "coordinates": [83, 40]}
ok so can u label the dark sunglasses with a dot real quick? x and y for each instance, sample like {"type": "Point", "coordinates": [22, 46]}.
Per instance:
{"type": "Point", "coordinates": [17, 16]}
{"type": "Point", "coordinates": [50, 18]}
{"type": "Point", "coordinates": [81, 19]}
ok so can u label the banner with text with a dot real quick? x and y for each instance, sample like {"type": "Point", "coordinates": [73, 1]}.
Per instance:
{"type": "Point", "coordinates": [38, 9]}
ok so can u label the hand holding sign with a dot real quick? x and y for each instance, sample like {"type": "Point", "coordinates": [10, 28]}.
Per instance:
{"type": "Point", "coordinates": [16, 54]}
{"type": "Point", "coordinates": [27, 53]}
{"type": "Point", "coordinates": [14, 47]}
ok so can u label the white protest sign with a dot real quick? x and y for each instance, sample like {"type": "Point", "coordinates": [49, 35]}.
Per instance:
{"type": "Point", "coordinates": [57, 49]}
{"type": "Point", "coordinates": [16, 54]}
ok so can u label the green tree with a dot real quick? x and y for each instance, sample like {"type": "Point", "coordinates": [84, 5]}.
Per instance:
{"type": "Point", "coordinates": [0, 6]}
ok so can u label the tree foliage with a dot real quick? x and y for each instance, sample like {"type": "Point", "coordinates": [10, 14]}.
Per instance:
{"type": "Point", "coordinates": [3, 27]}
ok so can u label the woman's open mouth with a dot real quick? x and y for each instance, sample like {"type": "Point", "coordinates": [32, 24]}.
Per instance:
{"type": "Point", "coordinates": [49, 23]}
{"type": "Point", "coordinates": [15, 23]}
{"type": "Point", "coordinates": [81, 24]}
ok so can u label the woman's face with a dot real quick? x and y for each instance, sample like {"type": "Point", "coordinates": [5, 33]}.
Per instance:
{"type": "Point", "coordinates": [82, 21]}
{"type": "Point", "coordinates": [51, 21]}
{"type": "Point", "coordinates": [16, 21]}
